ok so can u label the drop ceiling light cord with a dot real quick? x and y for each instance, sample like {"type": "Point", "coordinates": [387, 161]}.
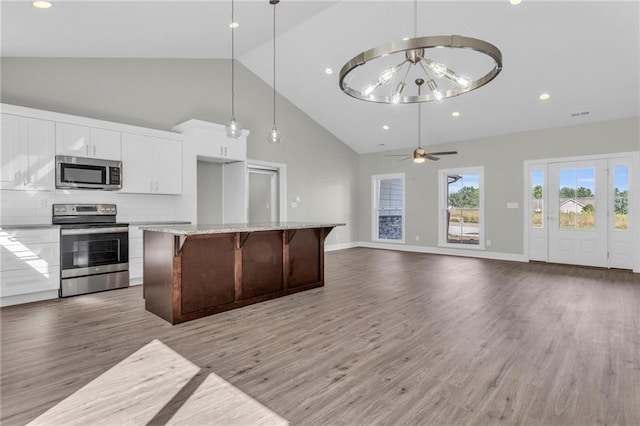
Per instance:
{"type": "Point", "coordinates": [233, 65]}
{"type": "Point", "coordinates": [274, 134]}
{"type": "Point", "coordinates": [274, 64]}
{"type": "Point", "coordinates": [233, 128]}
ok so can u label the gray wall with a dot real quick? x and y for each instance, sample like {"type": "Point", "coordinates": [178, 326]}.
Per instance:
{"type": "Point", "coordinates": [160, 93]}
{"type": "Point", "coordinates": [503, 160]}
{"type": "Point", "coordinates": [209, 192]}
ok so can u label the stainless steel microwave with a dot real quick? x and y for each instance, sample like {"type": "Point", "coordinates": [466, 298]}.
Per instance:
{"type": "Point", "coordinates": [88, 173]}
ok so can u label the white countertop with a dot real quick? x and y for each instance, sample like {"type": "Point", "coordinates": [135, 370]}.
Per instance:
{"type": "Point", "coordinates": [227, 228]}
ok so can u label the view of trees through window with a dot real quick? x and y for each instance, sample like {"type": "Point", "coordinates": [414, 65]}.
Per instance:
{"type": "Point", "coordinates": [463, 211]}
{"type": "Point", "coordinates": [577, 198]}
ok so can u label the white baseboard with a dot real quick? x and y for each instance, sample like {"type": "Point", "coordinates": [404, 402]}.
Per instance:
{"type": "Point", "coordinates": [342, 246]}
{"type": "Point", "coordinates": [446, 251]}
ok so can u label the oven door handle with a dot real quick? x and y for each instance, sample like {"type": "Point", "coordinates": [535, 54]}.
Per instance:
{"type": "Point", "coordinates": [114, 230]}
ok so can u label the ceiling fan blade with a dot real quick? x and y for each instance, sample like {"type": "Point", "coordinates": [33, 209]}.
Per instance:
{"type": "Point", "coordinates": [396, 155]}
{"type": "Point", "coordinates": [405, 159]}
{"type": "Point", "coordinates": [442, 153]}
{"type": "Point", "coordinates": [432, 158]}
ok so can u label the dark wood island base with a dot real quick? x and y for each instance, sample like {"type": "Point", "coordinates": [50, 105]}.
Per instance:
{"type": "Point", "coordinates": [199, 274]}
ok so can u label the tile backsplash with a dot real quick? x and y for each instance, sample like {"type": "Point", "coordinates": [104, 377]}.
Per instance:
{"type": "Point", "coordinates": [34, 207]}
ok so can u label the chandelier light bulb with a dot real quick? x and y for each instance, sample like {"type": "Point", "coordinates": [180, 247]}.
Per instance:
{"type": "Point", "coordinates": [386, 76]}
{"type": "Point", "coordinates": [437, 94]}
{"type": "Point", "coordinates": [463, 81]}
{"type": "Point", "coordinates": [396, 96]}
{"type": "Point", "coordinates": [369, 89]}
{"type": "Point", "coordinates": [274, 136]}
{"type": "Point", "coordinates": [233, 128]}
{"type": "Point", "coordinates": [438, 69]}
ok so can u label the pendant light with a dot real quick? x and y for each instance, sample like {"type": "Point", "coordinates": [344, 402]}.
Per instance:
{"type": "Point", "coordinates": [274, 134]}
{"type": "Point", "coordinates": [233, 128]}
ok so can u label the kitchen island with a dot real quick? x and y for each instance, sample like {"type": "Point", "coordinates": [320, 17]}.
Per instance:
{"type": "Point", "coordinates": [191, 271]}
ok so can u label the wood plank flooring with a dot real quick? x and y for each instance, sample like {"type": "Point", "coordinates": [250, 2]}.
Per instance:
{"type": "Point", "coordinates": [392, 338]}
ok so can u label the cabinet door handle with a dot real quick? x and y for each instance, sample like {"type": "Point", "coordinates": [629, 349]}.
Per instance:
{"type": "Point", "coordinates": [225, 151]}
{"type": "Point", "coordinates": [221, 151]}
{"type": "Point", "coordinates": [17, 177]}
{"type": "Point", "coordinates": [94, 150]}
{"type": "Point", "coordinates": [150, 186]}
{"type": "Point", "coordinates": [156, 186]}
{"type": "Point", "coordinates": [87, 149]}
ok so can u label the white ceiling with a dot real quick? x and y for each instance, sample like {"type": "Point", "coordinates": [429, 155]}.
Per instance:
{"type": "Point", "coordinates": [585, 54]}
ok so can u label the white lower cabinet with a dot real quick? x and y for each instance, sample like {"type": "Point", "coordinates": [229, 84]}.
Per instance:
{"type": "Point", "coordinates": [135, 255]}
{"type": "Point", "coordinates": [30, 268]}
{"type": "Point", "coordinates": [151, 165]}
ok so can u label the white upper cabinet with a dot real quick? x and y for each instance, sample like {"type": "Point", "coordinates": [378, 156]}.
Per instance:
{"type": "Point", "coordinates": [82, 141]}
{"type": "Point", "coordinates": [151, 165]}
{"type": "Point", "coordinates": [27, 154]}
{"type": "Point", "coordinates": [211, 141]}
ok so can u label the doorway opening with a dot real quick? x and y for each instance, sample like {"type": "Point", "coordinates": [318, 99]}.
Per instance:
{"type": "Point", "coordinates": [266, 192]}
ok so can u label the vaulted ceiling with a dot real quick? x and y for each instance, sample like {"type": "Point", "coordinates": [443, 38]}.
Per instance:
{"type": "Point", "coordinates": [585, 54]}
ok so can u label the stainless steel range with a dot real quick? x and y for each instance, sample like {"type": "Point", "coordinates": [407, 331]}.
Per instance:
{"type": "Point", "coordinates": [94, 248]}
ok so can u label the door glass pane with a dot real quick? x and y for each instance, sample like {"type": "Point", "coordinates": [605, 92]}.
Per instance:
{"type": "Point", "coordinates": [463, 208]}
{"type": "Point", "coordinates": [577, 198]}
{"type": "Point", "coordinates": [537, 202]}
{"type": "Point", "coordinates": [390, 195]}
{"type": "Point", "coordinates": [621, 198]}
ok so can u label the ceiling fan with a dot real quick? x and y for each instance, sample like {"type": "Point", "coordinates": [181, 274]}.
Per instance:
{"type": "Point", "coordinates": [420, 154]}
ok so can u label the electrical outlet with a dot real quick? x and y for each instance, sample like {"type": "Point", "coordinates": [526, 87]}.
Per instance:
{"type": "Point", "coordinates": [417, 237]}
{"type": "Point", "coordinates": [488, 243]}
{"type": "Point", "coordinates": [294, 205]}
{"type": "Point", "coordinates": [43, 203]}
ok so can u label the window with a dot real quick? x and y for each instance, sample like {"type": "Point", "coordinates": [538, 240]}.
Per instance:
{"type": "Point", "coordinates": [388, 208]}
{"type": "Point", "coordinates": [577, 200]}
{"type": "Point", "coordinates": [461, 204]}
{"type": "Point", "coordinates": [537, 199]}
{"type": "Point", "coordinates": [621, 197]}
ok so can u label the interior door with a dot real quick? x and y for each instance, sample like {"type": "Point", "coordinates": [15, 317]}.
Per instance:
{"type": "Point", "coordinates": [263, 195]}
{"type": "Point", "coordinates": [577, 214]}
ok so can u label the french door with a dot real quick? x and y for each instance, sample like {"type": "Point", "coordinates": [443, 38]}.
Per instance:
{"type": "Point", "coordinates": [579, 212]}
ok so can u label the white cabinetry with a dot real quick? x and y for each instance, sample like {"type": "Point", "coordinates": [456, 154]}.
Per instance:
{"type": "Point", "coordinates": [212, 143]}
{"type": "Point", "coordinates": [83, 141]}
{"type": "Point", "coordinates": [151, 165]}
{"type": "Point", "coordinates": [30, 267]}
{"type": "Point", "coordinates": [135, 255]}
{"type": "Point", "coordinates": [27, 155]}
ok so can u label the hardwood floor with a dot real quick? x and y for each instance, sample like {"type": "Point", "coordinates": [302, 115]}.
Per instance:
{"type": "Point", "coordinates": [392, 338]}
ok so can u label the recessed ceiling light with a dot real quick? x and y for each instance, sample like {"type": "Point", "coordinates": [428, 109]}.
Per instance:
{"type": "Point", "coordinates": [328, 71]}
{"type": "Point", "coordinates": [385, 127]}
{"type": "Point", "coordinates": [234, 25]}
{"type": "Point", "coordinates": [455, 114]}
{"type": "Point", "coordinates": [544, 96]}
{"type": "Point", "coordinates": [42, 4]}
{"type": "Point", "coordinates": [515, 2]}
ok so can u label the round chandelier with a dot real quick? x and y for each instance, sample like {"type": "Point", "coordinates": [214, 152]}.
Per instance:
{"type": "Point", "coordinates": [450, 65]}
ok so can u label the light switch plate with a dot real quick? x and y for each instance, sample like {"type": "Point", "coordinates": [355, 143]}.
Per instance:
{"type": "Point", "coordinates": [512, 205]}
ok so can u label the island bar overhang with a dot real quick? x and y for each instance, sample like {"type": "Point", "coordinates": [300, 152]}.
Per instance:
{"type": "Point", "coordinates": [192, 271]}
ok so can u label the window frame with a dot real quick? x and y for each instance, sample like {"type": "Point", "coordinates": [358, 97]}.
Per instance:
{"type": "Point", "coordinates": [443, 206]}
{"type": "Point", "coordinates": [375, 192]}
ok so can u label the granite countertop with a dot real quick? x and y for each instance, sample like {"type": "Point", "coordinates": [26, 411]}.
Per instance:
{"type": "Point", "coordinates": [226, 228]}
